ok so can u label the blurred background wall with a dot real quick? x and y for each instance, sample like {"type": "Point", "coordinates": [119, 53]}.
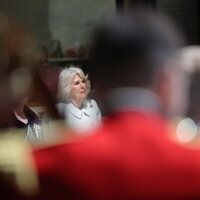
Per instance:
{"type": "Point", "coordinates": [185, 13]}
{"type": "Point", "coordinates": [32, 13]}
{"type": "Point", "coordinates": [66, 20]}
{"type": "Point", "coordinates": [70, 20]}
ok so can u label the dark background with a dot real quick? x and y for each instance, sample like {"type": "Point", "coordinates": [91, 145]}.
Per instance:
{"type": "Point", "coordinates": [185, 14]}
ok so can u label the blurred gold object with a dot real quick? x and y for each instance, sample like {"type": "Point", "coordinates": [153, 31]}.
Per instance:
{"type": "Point", "coordinates": [16, 161]}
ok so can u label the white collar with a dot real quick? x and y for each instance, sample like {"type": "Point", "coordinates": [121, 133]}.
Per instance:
{"type": "Point", "coordinates": [78, 113]}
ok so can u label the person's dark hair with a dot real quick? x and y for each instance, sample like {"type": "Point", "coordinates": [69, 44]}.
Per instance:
{"type": "Point", "coordinates": [127, 48]}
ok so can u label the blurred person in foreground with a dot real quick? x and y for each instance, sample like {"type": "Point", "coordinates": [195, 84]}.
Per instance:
{"type": "Point", "coordinates": [19, 79]}
{"type": "Point", "coordinates": [80, 112]}
{"type": "Point", "coordinates": [130, 156]}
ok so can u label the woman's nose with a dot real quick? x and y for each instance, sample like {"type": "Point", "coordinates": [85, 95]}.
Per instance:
{"type": "Point", "coordinates": [82, 85]}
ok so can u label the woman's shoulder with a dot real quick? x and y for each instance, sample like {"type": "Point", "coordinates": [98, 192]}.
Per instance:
{"type": "Point", "coordinates": [91, 103]}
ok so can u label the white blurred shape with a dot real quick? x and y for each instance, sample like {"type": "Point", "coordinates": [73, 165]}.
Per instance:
{"type": "Point", "coordinates": [186, 130]}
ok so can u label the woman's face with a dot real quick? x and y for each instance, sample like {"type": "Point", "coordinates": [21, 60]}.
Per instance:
{"type": "Point", "coordinates": [78, 89]}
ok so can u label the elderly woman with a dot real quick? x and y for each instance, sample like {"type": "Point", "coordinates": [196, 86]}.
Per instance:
{"type": "Point", "coordinates": [80, 112]}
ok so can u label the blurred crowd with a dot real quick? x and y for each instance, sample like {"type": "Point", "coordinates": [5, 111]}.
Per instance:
{"type": "Point", "coordinates": [135, 136]}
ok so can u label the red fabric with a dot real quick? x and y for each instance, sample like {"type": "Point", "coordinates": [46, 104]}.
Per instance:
{"type": "Point", "coordinates": [129, 157]}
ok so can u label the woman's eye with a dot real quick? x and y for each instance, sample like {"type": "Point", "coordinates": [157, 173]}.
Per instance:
{"type": "Point", "coordinates": [83, 81]}
{"type": "Point", "coordinates": [77, 82]}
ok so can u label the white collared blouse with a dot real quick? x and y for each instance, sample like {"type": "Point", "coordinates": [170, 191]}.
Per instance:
{"type": "Point", "coordinates": [81, 119]}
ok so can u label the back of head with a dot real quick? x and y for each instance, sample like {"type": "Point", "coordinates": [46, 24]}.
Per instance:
{"type": "Point", "coordinates": [128, 48]}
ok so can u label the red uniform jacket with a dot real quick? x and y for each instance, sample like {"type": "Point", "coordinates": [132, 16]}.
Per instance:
{"type": "Point", "coordinates": [129, 157]}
